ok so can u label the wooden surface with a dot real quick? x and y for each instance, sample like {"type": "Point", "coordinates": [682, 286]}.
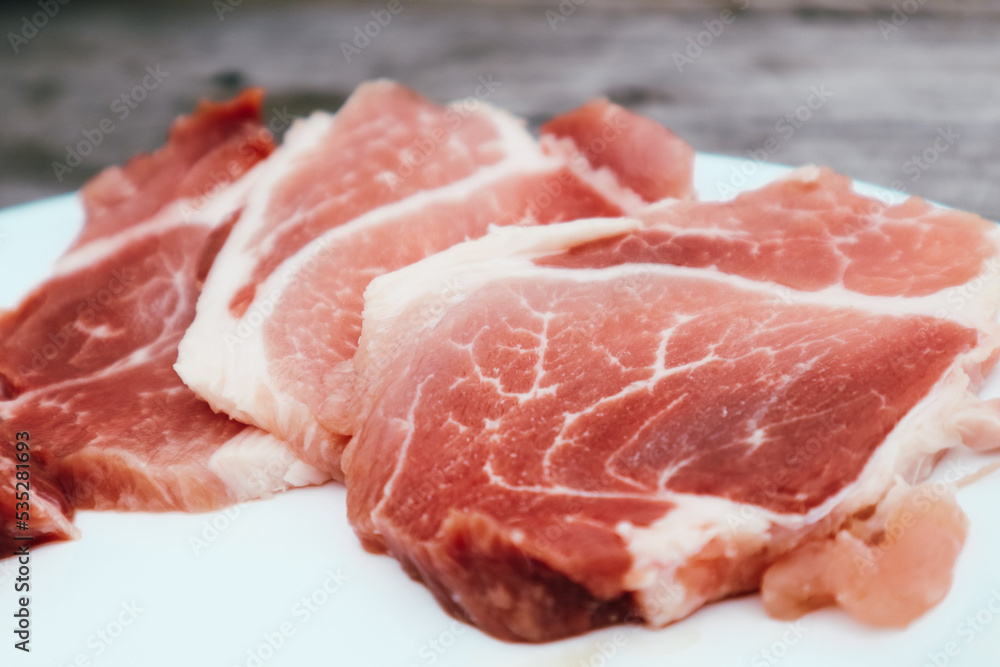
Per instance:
{"type": "Point", "coordinates": [891, 93]}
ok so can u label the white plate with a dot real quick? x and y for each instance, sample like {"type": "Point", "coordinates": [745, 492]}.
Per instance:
{"type": "Point", "coordinates": [293, 564]}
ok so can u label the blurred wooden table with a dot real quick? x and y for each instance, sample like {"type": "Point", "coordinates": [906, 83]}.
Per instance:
{"type": "Point", "coordinates": [905, 98]}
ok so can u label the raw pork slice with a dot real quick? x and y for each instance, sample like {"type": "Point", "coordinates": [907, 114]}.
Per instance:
{"type": "Point", "coordinates": [580, 438]}
{"type": "Point", "coordinates": [86, 359]}
{"type": "Point", "coordinates": [388, 180]}
{"type": "Point", "coordinates": [637, 151]}
{"type": "Point", "coordinates": [810, 231]}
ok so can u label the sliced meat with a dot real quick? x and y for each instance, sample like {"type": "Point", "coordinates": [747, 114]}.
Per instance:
{"type": "Point", "coordinates": [810, 231]}
{"type": "Point", "coordinates": [207, 151]}
{"type": "Point", "coordinates": [635, 437]}
{"type": "Point", "coordinates": [86, 359]}
{"type": "Point", "coordinates": [49, 513]}
{"type": "Point", "coordinates": [388, 180]}
{"type": "Point", "coordinates": [609, 144]}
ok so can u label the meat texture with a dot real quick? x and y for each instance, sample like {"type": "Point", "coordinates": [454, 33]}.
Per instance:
{"type": "Point", "coordinates": [622, 420]}
{"type": "Point", "coordinates": [638, 152]}
{"type": "Point", "coordinates": [388, 180]}
{"type": "Point", "coordinates": [86, 359]}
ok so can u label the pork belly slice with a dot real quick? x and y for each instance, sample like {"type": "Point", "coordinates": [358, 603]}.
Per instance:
{"type": "Point", "coordinates": [388, 180]}
{"type": "Point", "coordinates": [86, 359]}
{"type": "Point", "coordinates": [562, 445]}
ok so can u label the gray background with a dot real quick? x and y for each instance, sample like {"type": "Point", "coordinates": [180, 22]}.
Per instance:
{"type": "Point", "coordinates": [891, 92]}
